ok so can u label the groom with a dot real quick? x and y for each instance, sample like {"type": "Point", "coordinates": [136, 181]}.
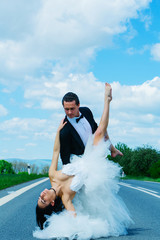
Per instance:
{"type": "Point", "coordinates": [80, 125]}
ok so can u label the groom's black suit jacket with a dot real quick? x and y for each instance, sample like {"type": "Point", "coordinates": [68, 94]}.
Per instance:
{"type": "Point", "coordinates": [70, 141]}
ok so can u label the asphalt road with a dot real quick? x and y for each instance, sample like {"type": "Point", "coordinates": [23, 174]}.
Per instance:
{"type": "Point", "coordinates": [17, 217]}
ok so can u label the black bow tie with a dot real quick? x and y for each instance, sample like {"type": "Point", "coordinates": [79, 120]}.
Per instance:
{"type": "Point", "coordinates": [77, 120]}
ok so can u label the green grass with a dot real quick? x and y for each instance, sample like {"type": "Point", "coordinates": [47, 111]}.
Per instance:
{"type": "Point", "coordinates": [8, 180]}
{"type": "Point", "coordinates": [141, 178]}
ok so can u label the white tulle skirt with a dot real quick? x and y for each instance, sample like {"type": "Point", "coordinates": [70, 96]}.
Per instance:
{"type": "Point", "coordinates": [100, 211]}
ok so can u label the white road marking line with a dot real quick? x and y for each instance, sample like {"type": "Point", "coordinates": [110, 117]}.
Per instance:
{"type": "Point", "coordinates": [124, 184]}
{"type": "Point", "coordinates": [11, 192]}
{"type": "Point", "coordinates": [129, 186]}
{"type": "Point", "coordinates": [11, 196]}
{"type": "Point", "coordinates": [153, 182]}
{"type": "Point", "coordinates": [147, 189]}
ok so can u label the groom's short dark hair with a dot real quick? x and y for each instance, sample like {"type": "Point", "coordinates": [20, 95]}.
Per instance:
{"type": "Point", "coordinates": [69, 97]}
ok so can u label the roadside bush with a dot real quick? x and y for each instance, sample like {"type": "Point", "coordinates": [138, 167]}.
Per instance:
{"type": "Point", "coordinates": [23, 173]}
{"type": "Point", "coordinates": [142, 159]}
{"type": "Point", "coordinates": [138, 162]}
{"type": "Point", "coordinates": [5, 167]}
{"type": "Point", "coordinates": [124, 160]}
{"type": "Point", "coordinates": [155, 170]}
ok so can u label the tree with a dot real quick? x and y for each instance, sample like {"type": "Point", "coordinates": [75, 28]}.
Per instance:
{"type": "Point", "coordinates": [45, 169]}
{"type": "Point", "coordinates": [20, 166]}
{"type": "Point", "coordinates": [155, 170]}
{"type": "Point", "coordinates": [142, 160]}
{"type": "Point", "coordinates": [5, 167]}
{"type": "Point", "coordinates": [124, 160]}
{"type": "Point", "coordinates": [137, 162]}
{"type": "Point", "coordinates": [34, 168]}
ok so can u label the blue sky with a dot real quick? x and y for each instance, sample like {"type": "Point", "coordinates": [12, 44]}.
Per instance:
{"type": "Point", "coordinates": [48, 48]}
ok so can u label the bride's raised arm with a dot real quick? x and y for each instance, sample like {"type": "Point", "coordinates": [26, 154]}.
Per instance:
{"type": "Point", "coordinates": [101, 130]}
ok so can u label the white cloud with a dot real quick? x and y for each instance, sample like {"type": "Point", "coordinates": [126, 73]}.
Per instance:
{"type": "Point", "coordinates": [45, 45]}
{"type": "Point", "coordinates": [134, 117]}
{"type": "Point", "coordinates": [50, 104]}
{"type": "Point", "coordinates": [155, 51]}
{"type": "Point", "coordinates": [49, 93]}
{"type": "Point", "coordinates": [146, 19]}
{"type": "Point", "coordinates": [4, 150]}
{"type": "Point", "coordinates": [17, 17]}
{"type": "Point", "coordinates": [16, 57]}
{"type": "Point", "coordinates": [20, 149]}
{"type": "Point", "coordinates": [143, 98]}
{"type": "Point", "coordinates": [44, 135]}
{"type": "Point", "coordinates": [5, 90]}
{"type": "Point", "coordinates": [66, 31]}
{"type": "Point", "coordinates": [17, 125]}
{"type": "Point", "coordinates": [132, 51]}
{"type": "Point", "coordinates": [30, 128]}
{"type": "Point", "coordinates": [30, 144]}
{"type": "Point", "coordinates": [22, 137]}
{"type": "Point", "coordinates": [3, 111]}
{"type": "Point", "coordinates": [134, 111]}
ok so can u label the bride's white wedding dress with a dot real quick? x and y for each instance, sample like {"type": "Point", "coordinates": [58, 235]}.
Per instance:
{"type": "Point", "coordinates": [100, 211]}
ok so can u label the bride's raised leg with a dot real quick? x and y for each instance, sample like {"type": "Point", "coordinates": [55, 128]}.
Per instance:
{"type": "Point", "coordinates": [101, 130]}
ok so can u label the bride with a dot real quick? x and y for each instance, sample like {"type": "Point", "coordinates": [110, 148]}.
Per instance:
{"type": "Point", "coordinates": [88, 188]}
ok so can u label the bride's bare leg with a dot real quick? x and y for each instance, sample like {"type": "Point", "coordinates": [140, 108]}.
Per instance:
{"type": "Point", "coordinates": [101, 130]}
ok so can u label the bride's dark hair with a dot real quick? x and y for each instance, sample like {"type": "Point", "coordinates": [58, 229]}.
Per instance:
{"type": "Point", "coordinates": [41, 212]}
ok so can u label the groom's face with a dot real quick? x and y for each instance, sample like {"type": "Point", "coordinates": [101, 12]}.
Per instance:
{"type": "Point", "coordinates": [71, 109]}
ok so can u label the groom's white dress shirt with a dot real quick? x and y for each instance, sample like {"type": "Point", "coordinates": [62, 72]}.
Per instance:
{"type": "Point", "coordinates": [83, 128]}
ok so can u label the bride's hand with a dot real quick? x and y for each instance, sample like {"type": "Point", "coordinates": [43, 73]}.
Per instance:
{"type": "Point", "coordinates": [62, 124]}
